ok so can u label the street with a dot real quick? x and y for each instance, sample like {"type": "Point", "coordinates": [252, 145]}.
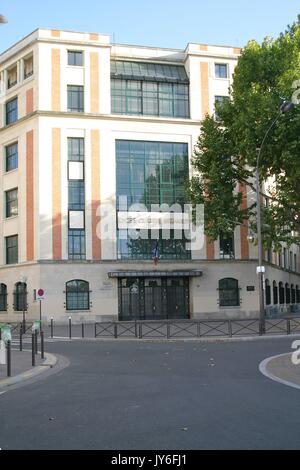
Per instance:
{"type": "Point", "coordinates": [154, 395]}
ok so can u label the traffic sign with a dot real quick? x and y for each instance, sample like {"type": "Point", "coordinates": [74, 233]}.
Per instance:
{"type": "Point", "coordinates": [40, 294]}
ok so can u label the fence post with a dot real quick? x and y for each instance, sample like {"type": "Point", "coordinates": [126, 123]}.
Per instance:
{"type": "Point", "coordinates": [115, 330]}
{"type": "Point", "coordinates": [140, 330]}
{"type": "Point", "coordinates": [198, 329]}
{"type": "Point", "coordinates": [82, 330]}
{"type": "Point", "coordinates": [32, 350]}
{"type": "Point", "coordinates": [288, 327]}
{"type": "Point", "coordinates": [95, 330]}
{"type": "Point", "coordinates": [42, 346]}
{"type": "Point", "coordinates": [8, 358]}
{"type": "Point", "coordinates": [168, 330]}
{"type": "Point", "coordinates": [51, 326]}
{"type": "Point", "coordinates": [36, 341]}
{"type": "Point", "coordinates": [135, 329]}
{"type": "Point", "coordinates": [70, 328]}
{"type": "Point", "coordinates": [230, 328]}
{"type": "Point", "coordinates": [21, 340]}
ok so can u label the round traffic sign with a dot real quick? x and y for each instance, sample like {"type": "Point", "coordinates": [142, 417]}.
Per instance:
{"type": "Point", "coordinates": [40, 292]}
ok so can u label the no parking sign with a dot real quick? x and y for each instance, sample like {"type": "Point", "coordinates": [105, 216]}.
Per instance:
{"type": "Point", "coordinates": [40, 294]}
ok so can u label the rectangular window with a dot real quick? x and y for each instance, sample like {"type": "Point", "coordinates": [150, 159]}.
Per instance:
{"type": "Point", "coordinates": [77, 245]}
{"type": "Point", "coordinates": [11, 111]}
{"type": "Point", "coordinates": [219, 100]}
{"type": "Point", "coordinates": [75, 98]}
{"type": "Point", "coordinates": [12, 77]}
{"type": "Point", "coordinates": [76, 149]}
{"type": "Point", "coordinates": [11, 203]}
{"type": "Point", "coordinates": [11, 157]}
{"type": "Point", "coordinates": [28, 67]}
{"type": "Point", "coordinates": [227, 246]}
{"type": "Point", "coordinates": [221, 70]}
{"type": "Point", "coordinates": [11, 249]}
{"type": "Point", "coordinates": [75, 58]}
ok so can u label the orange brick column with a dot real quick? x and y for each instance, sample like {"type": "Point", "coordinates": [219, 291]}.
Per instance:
{"type": "Point", "coordinates": [55, 80]}
{"type": "Point", "coordinates": [94, 59]}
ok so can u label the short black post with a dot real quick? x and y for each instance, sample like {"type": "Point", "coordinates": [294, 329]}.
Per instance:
{"type": "Point", "coordinates": [42, 346]}
{"type": "Point", "coordinates": [95, 330]}
{"type": "Point", "coordinates": [70, 328]}
{"type": "Point", "coordinates": [82, 330]}
{"type": "Point", "coordinates": [198, 329]}
{"type": "Point", "coordinates": [21, 340]}
{"type": "Point", "coordinates": [36, 341]}
{"type": "Point", "coordinates": [288, 327]}
{"type": "Point", "coordinates": [51, 327]}
{"type": "Point", "coordinates": [168, 330]}
{"type": "Point", "coordinates": [135, 329]}
{"type": "Point", "coordinates": [116, 330]}
{"type": "Point", "coordinates": [140, 330]}
{"type": "Point", "coordinates": [8, 358]}
{"type": "Point", "coordinates": [230, 328]}
{"type": "Point", "coordinates": [33, 349]}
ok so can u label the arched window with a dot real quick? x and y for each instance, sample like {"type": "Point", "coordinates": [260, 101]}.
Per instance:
{"type": "Point", "coordinates": [287, 294]}
{"type": "Point", "coordinates": [268, 293]}
{"type": "Point", "coordinates": [77, 295]}
{"type": "Point", "coordinates": [275, 293]}
{"type": "Point", "coordinates": [293, 293]}
{"type": "Point", "coordinates": [229, 292]}
{"type": "Point", "coordinates": [20, 297]}
{"type": "Point", "coordinates": [297, 295]}
{"type": "Point", "coordinates": [281, 294]}
{"type": "Point", "coordinates": [3, 298]}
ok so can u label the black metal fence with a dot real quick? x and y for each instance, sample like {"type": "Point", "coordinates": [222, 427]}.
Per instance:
{"type": "Point", "coordinates": [165, 329]}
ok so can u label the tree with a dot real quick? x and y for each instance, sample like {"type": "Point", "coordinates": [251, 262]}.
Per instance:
{"type": "Point", "coordinates": [226, 151]}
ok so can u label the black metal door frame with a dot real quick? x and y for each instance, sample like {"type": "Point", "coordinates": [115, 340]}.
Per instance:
{"type": "Point", "coordinates": [167, 300]}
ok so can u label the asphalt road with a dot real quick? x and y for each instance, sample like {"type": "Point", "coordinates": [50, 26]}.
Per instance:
{"type": "Point", "coordinates": [169, 396]}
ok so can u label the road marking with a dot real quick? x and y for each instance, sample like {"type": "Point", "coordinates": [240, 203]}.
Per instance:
{"type": "Point", "coordinates": [263, 369]}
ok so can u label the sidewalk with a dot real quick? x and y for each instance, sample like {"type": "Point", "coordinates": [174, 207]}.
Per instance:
{"type": "Point", "coordinates": [21, 367]}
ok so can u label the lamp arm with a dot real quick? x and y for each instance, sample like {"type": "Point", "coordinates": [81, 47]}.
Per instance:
{"type": "Point", "coordinates": [265, 138]}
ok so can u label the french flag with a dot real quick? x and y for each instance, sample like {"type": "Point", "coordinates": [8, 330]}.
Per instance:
{"type": "Point", "coordinates": [155, 253]}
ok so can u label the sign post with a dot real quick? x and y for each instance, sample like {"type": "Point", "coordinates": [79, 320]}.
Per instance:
{"type": "Point", "coordinates": [40, 295]}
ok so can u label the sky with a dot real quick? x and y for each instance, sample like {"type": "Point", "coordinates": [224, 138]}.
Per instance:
{"type": "Point", "coordinates": [160, 23]}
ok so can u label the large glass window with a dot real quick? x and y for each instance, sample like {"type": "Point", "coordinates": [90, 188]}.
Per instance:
{"type": "Point", "coordinates": [149, 89]}
{"type": "Point", "coordinates": [11, 157]}
{"type": "Point", "coordinates": [3, 298]}
{"type": "Point", "coordinates": [76, 149]}
{"type": "Point", "coordinates": [275, 293]}
{"type": "Point", "coordinates": [75, 58]}
{"type": "Point", "coordinates": [76, 195]}
{"type": "Point", "coordinates": [229, 293]}
{"type": "Point", "coordinates": [11, 111]}
{"type": "Point", "coordinates": [12, 249]}
{"type": "Point", "coordinates": [151, 173]}
{"type": "Point", "coordinates": [11, 203]}
{"type": "Point", "coordinates": [77, 295]}
{"type": "Point", "coordinates": [75, 98]}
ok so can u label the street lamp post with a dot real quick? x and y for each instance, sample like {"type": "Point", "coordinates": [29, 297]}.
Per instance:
{"type": "Point", "coordinates": [284, 108]}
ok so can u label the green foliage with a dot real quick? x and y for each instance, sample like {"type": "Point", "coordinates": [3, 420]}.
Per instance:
{"type": "Point", "coordinates": [226, 153]}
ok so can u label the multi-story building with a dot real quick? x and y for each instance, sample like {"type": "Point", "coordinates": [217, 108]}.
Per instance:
{"type": "Point", "coordinates": [84, 123]}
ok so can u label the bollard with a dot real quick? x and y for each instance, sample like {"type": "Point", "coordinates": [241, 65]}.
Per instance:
{"type": "Point", "coordinates": [168, 330]}
{"type": "Point", "coordinates": [8, 358]}
{"type": "Point", "coordinates": [32, 350]}
{"type": "Point", "coordinates": [116, 331]}
{"type": "Point", "coordinates": [95, 330]}
{"type": "Point", "coordinates": [42, 346]}
{"type": "Point", "coordinates": [82, 330]}
{"type": "Point", "coordinates": [36, 341]}
{"type": "Point", "coordinates": [70, 328]}
{"type": "Point", "coordinates": [135, 329]}
{"type": "Point", "coordinates": [21, 340]}
{"type": "Point", "coordinates": [51, 327]}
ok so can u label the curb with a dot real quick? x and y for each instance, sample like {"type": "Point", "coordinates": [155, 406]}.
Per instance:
{"type": "Point", "coordinates": [212, 339]}
{"type": "Point", "coordinates": [49, 363]}
{"type": "Point", "coordinates": [263, 368]}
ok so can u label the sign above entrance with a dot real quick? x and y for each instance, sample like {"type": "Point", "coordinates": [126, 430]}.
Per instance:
{"type": "Point", "coordinates": [154, 221]}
